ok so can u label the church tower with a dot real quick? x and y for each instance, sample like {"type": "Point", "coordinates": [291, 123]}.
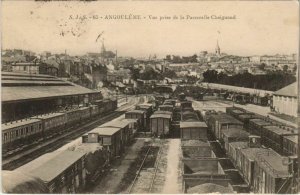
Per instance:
{"type": "Point", "coordinates": [103, 47]}
{"type": "Point", "coordinates": [218, 50]}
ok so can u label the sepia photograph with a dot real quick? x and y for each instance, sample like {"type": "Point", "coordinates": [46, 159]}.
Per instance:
{"type": "Point", "coordinates": [150, 97]}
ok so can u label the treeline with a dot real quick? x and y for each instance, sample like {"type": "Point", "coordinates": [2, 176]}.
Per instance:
{"type": "Point", "coordinates": [271, 81]}
{"type": "Point", "coordinates": [151, 74]}
{"type": "Point", "coordinates": [183, 59]}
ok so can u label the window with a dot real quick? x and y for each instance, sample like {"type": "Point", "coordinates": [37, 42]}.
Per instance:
{"type": "Point", "coordinates": [22, 131]}
{"type": "Point", "coordinates": [17, 133]}
{"type": "Point", "coordinates": [5, 136]}
{"type": "Point", "coordinates": [31, 128]}
{"type": "Point", "coordinates": [27, 130]}
{"type": "Point", "coordinates": [40, 126]}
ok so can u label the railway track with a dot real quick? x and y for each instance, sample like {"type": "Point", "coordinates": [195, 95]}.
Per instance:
{"type": "Point", "coordinates": [152, 179]}
{"type": "Point", "coordinates": [156, 169]}
{"type": "Point", "coordinates": [22, 157]}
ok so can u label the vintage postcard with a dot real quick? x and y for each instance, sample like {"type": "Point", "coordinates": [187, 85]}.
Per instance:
{"type": "Point", "coordinates": [150, 97]}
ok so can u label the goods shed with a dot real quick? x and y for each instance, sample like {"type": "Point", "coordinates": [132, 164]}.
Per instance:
{"type": "Point", "coordinates": [193, 130]}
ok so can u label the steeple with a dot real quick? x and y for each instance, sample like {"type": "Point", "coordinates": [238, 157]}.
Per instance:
{"type": "Point", "coordinates": [103, 47]}
{"type": "Point", "coordinates": [218, 50]}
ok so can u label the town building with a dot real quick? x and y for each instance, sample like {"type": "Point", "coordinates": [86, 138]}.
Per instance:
{"type": "Point", "coordinates": [26, 67]}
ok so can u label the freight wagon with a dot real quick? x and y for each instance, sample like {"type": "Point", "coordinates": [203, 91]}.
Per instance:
{"type": "Point", "coordinates": [290, 145]}
{"type": "Point", "coordinates": [124, 130]}
{"type": "Point", "coordinates": [189, 116]}
{"type": "Point", "coordinates": [166, 108]}
{"type": "Point", "coordinates": [63, 172]}
{"type": "Point", "coordinates": [193, 130]}
{"type": "Point", "coordinates": [160, 123]}
{"type": "Point", "coordinates": [256, 125]}
{"type": "Point", "coordinates": [270, 173]}
{"type": "Point", "coordinates": [201, 171]}
{"type": "Point", "coordinates": [272, 136]}
{"type": "Point", "coordinates": [108, 137]}
{"type": "Point", "coordinates": [233, 135]}
{"type": "Point", "coordinates": [140, 116]}
{"type": "Point", "coordinates": [221, 122]}
{"type": "Point", "coordinates": [185, 104]}
{"type": "Point", "coordinates": [148, 111]}
{"type": "Point", "coordinates": [246, 117]}
{"type": "Point", "coordinates": [196, 149]}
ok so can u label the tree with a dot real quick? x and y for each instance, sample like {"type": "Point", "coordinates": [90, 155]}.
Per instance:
{"type": "Point", "coordinates": [285, 68]}
{"type": "Point", "coordinates": [168, 58]}
{"type": "Point", "coordinates": [262, 66]}
{"type": "Point", "coordinates": [135, 73]}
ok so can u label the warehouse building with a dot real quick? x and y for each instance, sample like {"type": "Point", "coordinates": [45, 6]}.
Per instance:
{"type": "Point", "coordinates": [285, 100]}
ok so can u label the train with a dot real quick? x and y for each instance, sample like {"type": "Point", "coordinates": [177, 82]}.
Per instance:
{"type": "Point", "coordinates": [257, 149]}
{"type": "Point", "coordinates": [280, 137]}
{"type": "Point", "coordinates": [87, 160]}
{"type": "Point", "coordinates": [20, 133]}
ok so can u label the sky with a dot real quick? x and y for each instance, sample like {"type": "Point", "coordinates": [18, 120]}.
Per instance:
{"type": "Point", "coordinates": [259, 28]}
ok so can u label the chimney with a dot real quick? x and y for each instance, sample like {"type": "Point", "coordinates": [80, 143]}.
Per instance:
{"type": "Point", "coordinates": [254, 141]}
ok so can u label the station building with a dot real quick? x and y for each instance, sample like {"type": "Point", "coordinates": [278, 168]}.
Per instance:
{"type": "Point", "coordinates": [25, 95]}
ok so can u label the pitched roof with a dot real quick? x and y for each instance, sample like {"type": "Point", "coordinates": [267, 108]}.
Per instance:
{"type": "Point", "coordinates": [22, 87]}
{"type": "Point", "coordinates": [290, 90]}
{"type": "Point", "coordinates": [51, 166]}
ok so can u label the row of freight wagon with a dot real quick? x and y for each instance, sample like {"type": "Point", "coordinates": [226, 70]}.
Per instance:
{"type": "Point", "coordinates": [74, 169]}
{"type": "Point", "coordinates": [201, 169]}
{"type": "Point", "coordinates": [22, 132]}
{"type": "Point", "coordinates": [278, 136]}
{"type": "Point", "coordinates": [263, 169]}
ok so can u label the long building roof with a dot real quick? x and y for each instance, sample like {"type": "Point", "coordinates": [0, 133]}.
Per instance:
{"type": "Point", "coordinates": [15, 88]}
{"type": "Point", "coordinates": [290, 90]}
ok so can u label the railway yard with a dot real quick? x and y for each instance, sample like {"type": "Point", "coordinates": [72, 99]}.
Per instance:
{"type": "Point", "coordinates": [152, 144]}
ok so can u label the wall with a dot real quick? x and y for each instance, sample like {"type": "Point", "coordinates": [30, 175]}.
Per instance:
{"type": "Point", "coordinates": [285, 105]}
